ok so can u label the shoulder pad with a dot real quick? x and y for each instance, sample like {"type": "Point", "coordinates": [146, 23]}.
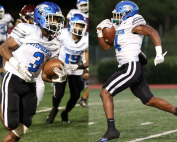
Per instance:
{"type": "Point", "coordinates": [26, 33]}
{"type": "Point", "coordinates": [138, 20]}
{"type": "Point", "coordinates": [8, 17]}
{"type": "Point", "coordinates": [19, 31]}
{"type": "Point", "coordinates": [64, 33]}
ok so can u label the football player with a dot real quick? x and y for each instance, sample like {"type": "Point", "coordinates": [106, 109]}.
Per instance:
{"type": "Point", "coordinates": [83, 8]}
{"type": "Point", "coordinates": [130, 28]}
{"type": "Point", "coordinates": [74, 47]}
{"type": "Point", "coordinates": [27, 16]}
{"type": "Point", "coordinates": [5, 23]}
{"type": "Point", "coordinates": [26, 51]}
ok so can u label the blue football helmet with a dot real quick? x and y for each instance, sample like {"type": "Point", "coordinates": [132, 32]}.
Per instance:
{"type": "Point", "coordinates": [80, 5]}
{"type": "Point", "coordinates": [48, 15]}
{"type": "Point", "coordinates": [2, 11]}
{"type": "Point", "coordinates": [125, 9]}
{"type": "Point", "coordinates": [74, 22]}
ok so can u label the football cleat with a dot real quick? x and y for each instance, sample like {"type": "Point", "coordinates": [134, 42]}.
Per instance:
{"type": "Point", "coordinates": [109, 135]}
{"type": "Point", "coordinates": [64, 117]}
{"type": "Point", "coordinates": [83, 103]}
{"type": "Point", "coordinates": [102, 140]}
{"type": "Point", "coordinates": [52, 115]}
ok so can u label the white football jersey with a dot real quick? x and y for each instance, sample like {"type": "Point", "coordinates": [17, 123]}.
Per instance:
{"type": "Point", "coordinates": [72, 52]}
{"type": "Point", "coordinates": [3, 26]}
{"type": "Point", "coordinates": [128, 45]}
{"type": "Point", "coordinates": [34, 50]}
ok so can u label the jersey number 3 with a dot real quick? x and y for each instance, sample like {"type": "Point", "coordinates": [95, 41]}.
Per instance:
{"type": "Point", "coordinates": [34, 67]}
{"type": "Point", "coordinates": [2, 30]}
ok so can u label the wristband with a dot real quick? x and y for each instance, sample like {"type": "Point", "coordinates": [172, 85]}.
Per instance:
{"type": "Point", "coordinates": [14, 62]}
{"type": "Point", "coordinates": [99, 32]}
{"type": "Point", "coordinates": [158, 49]}
{"type": "Point", "coordinates": [81, 67]}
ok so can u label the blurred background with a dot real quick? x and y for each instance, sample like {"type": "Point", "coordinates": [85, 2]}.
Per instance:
{"type": "Point", "coordinates": [13, 7]}
{"type": "Point", "coordinates": [159, 14]}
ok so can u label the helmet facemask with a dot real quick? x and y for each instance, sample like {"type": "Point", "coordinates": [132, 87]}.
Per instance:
{"type": "Point", "coordinates": [54, 23]}
{"type": "Point", "coordinates": [29, 18]}
{"type": "Point", "coordinates": [78, 28]}
{"type": "Point", "coordinates": [117, 17]}
{"type": "Point", "coordinates": [27, 14]}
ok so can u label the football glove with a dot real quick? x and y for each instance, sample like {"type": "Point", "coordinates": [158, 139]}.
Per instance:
{"type": "Point", "coordinates": [62, 74]}
{"type": "Point", "coordinates": [104, 24]}
{"type": "Point", "coordinates": [159, 56]}
{"type": "Point", "coordinates": [72, 67]}
{"type": "Point", "coordinates": [22, 69]}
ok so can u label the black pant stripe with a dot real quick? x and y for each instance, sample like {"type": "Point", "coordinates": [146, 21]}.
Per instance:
{"type": "Point", "coordinates": [3, 92]}
{"type": "Point", "coordinates": [125, 80]}
{"type": "Point", "coordinates": [117, 79]}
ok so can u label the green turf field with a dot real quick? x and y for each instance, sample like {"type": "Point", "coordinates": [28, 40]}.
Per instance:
{"type": "Point", "coordinates": [40, 131]}
{"type": "Point", "coordinates": [130, 113]}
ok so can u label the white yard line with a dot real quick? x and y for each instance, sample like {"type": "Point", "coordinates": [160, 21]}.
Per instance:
{"type": "Point", "coordinates": [48, 109]}
{"type": "Point", "coordinates": [146, 123]}
{"type": "Point", "coordinates": [154, 136]}
{"type": "Point", "coordinates": [90, 123]}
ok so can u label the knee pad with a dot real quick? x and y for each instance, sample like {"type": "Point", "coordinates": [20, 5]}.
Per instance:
{"type": "Point", "coordinates": [20, 130]}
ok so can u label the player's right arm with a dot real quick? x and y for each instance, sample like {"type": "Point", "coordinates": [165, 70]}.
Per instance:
{"type": "Point", "coordinates": [103, 44]}
{"type": "Point", "coordinates": [86, 64]}
{"type": "Point", "coordinates": [7, 47]}
{"type": "Point", "coordinates": [10, 45]}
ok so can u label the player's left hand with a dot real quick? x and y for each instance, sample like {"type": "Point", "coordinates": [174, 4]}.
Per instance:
{"type": "Point", "coordinates": [159, 58]}
{"type": "Point", "coordinates": [72, 67]}
{"type": "Point", "coordinates": [62, 74]}
{"type": "Point", "coordinates": [105, 24]}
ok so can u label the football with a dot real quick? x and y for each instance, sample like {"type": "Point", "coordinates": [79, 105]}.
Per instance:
{"type": "Point", "coordinates": [50, 65]}
{"type": "Point", "coordinates": [109, 35]}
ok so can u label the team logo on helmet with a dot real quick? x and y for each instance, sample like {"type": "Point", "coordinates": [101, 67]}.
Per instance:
{"type": "Point", "coordinates": [41, 9]}
{"type": "Point", "coordinates": [128, 8]}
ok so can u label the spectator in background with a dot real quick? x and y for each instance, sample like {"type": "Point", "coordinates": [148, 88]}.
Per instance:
{"type": "Point", "coordinates": [5, 23]}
